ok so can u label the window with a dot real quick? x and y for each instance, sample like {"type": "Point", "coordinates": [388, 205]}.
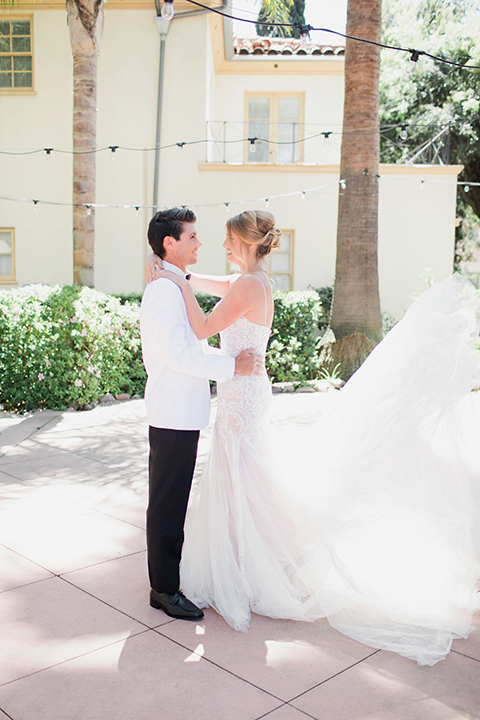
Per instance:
{"type": "Point", "coordinates": [276, 120]}
{"type": "Point", "coordinates": [280, 264]}
{"type": "Point", "coordinates": [7, 255]}
{"type": "Point", "coordinates": [16, 61]}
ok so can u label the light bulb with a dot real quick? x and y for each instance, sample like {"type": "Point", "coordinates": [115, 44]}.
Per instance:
{"type": "Point", "coordinates": [226, 207]}
{"type": "Point", "coordinates": [422, 184]}
{"type": "Point", "coordinates": [467, 188]}
{"type": "Point", "coordinates": [412, 64]}
{"type": "Point", "coordinates": [167, 10]}
{"type": "Point", "coordinates": [304, 195]}
{"type": "Point", "coordinates": [403, 134]}
{"type": "Point", "coordinates": [89, 210]}
{"type": "Point", "coordinates": [343, 184]}
{"type": "Point", "coordinates": [266, 202]}
{"type": "Point", "coordinates": [305, 41]}
{"type": "Point", "coordinates": [252, 146]}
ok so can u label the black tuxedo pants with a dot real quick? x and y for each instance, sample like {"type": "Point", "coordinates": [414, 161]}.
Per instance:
{"type": "Point", "coordinates": [171, 466]}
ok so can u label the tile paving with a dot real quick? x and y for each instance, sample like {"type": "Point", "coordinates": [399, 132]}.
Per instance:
{"type": "Point", "coordinates": [80, 642]}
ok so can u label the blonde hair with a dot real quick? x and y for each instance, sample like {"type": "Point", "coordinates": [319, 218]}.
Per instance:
{"type": "Point", "coordinates": [256, 227]}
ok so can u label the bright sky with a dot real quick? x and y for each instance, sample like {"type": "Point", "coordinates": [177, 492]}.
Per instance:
{"type": "Point", "coordinates": [319, 13]}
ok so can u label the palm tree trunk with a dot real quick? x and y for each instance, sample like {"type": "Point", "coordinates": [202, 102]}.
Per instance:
{"type": "Point", "coordinates": [356, 303]}
{"type": "Point", "coordinates": [85, 22]}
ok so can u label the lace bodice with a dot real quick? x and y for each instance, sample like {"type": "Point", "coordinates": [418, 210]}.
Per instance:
{"type": "Point", "coordinates": [243, 402]}
{"type": "Point", "coordinates": [243, 335]}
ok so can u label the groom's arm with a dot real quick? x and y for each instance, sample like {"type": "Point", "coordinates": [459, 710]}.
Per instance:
{"type": "Point", "coordinates": [164, 320]}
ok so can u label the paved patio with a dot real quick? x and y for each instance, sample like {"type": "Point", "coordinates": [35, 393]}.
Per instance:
{"type": "Point", "coordinates": [80, 642]}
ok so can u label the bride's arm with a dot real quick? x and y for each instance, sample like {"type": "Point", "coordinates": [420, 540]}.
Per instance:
{"type": "Point", "coordinates": [236, 303]}
{"type": "Point", "coordinates": [217, 285]}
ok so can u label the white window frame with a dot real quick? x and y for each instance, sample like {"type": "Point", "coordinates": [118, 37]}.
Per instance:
{"type": "Point", "coordinates": [273, 123]}
{"type": "Point", "coordinates": [9, 279]}
{"type": "Point", "coordinates": [20, 90]}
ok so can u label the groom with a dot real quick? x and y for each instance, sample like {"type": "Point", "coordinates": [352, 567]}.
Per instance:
{"type": "Point", "coordinates": [177, 399]}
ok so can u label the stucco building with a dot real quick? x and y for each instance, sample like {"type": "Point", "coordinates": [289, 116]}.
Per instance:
{"type": "Point", "coordinates": [244, 124]}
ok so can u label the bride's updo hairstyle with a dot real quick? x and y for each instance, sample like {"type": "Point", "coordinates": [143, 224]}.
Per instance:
{"type": "Point", "coordinates": [256, 227]}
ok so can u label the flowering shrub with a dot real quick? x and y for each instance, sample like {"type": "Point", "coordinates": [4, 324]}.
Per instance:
{"type": "Point", "coordinates": [291, 354]}
{"type": "Point", "coordinates": [66, 343]}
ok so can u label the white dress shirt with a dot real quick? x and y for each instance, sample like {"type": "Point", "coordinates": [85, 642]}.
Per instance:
{"type": "Point", "coordinates": [178, 365]}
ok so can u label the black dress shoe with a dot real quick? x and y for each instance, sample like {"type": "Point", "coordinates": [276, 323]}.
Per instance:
{"type": "Point", "coordinates": [176, 605]}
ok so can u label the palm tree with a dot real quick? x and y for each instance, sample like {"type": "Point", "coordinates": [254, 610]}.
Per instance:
{"type": "Point", "coordinates": [356, 303]}
{"type": "Point", "coordinates": [275, 11]}
{"type": "Point", "coordinates": [85, 23]}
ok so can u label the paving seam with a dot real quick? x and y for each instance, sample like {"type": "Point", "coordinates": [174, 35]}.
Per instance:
{"type": "Point", "coordinates": [101, 562]}
{"type": "Point", "coordinates": [103, 512]}
{"type": "Point", "coordinates": [220, 667]}
{"type": "Point", "coordinates": [6, 714]}
{"type": "Point", "coordinates": [76, 657]}
{"type": "Point", "coordinates": [260, 717]}
{"type": "Point", "coordinates": [332, 676]}
{"type": "Point", "coordinates": [457, 652]}
{"type": "Point", "coordinates": [29, 436]}
{"type": "Point", "coordinates": [122, 612]}
{"type": "Point", "coordinates": [32, 561]}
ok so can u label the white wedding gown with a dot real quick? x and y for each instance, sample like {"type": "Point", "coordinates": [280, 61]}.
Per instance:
{"type": "Point", "coordinates": [377, 528]}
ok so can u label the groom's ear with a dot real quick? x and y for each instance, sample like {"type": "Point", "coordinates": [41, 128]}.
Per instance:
{"type": "Point", "coordinates": [169, 242]}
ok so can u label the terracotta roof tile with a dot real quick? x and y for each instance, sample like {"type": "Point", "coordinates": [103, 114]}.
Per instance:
{"type": "Point", "coordinates": [283, 46]}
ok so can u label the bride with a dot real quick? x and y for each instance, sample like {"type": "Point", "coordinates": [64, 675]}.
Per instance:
{"type": "Point", "coordinates": [377, 526]}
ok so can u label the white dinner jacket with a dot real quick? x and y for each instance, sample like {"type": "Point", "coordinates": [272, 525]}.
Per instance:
{"type": "Point", "coordinates": [178, 365]}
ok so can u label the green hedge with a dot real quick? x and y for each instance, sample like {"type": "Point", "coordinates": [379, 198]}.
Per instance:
{"type": "Point", "coordinates": [65, 344]}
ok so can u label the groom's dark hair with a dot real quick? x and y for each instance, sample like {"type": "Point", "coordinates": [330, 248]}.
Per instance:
{"type": "Point", "coordinates": [167, 222]}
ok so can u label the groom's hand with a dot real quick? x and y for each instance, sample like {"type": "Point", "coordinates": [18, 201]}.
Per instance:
{"type": "Point", "coordinates": [249, 363]}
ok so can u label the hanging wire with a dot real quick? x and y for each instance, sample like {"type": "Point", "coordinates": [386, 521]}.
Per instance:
{"type": "Point", "coordinates": [305, 29]}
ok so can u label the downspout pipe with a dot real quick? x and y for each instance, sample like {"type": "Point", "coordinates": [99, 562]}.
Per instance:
{"type": "Point", "coordinates": [162, 27]}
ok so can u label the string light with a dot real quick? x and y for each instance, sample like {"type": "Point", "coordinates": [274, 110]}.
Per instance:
{"type": "Point", "coordinates": [252, 140]}
{"type": "Point", "coordinates": [305, 36]}
{"type": "Point", "coordinates": [180, 145]}
{"type": "Point", "coordinates": [342, 183]}
{"type": "Point", "coordinates": [403, 133]}
{"type": "Point", "coordinates": [414, 54]}
{"type": "Point", "coordinates": [304, 194]}
{"type": "Point", "coordinates": [167, 10]}
{"type": "Point", "coordinates": [266, 202]}
{"type": "Point", "coordinates": [412, 65]}
{"type": "Point", "coordinates": [89, 209]}
{"type": "Point", "coordinates": [48, 150]}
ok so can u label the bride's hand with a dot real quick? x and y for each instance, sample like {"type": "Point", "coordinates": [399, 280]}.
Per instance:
{"type": "Point", "coordinates": [152, 267]}
{"type": "Point", "coordinates": [177, 279]}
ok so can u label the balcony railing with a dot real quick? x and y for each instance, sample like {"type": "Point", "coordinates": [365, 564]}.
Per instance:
{"type": "Point", "coordinates": [261, 141]}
